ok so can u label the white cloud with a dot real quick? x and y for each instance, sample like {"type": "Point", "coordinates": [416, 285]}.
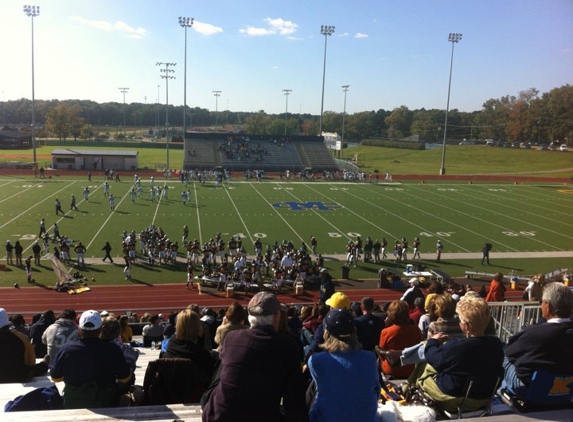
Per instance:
{"type": "Point", "coordinates": [206, 28]}
{"type": "Point", "coordinates": [274, 26]}
{"type": "Point", "coordinates": [256, 32]}
{"type": "Point", "coordinates": [344, 34]}
{"type": "Point", "coordinates": [119, 26]}
{"type": "Point", "coordinates": [360, 35]}
{"type": "Point", "coordinates": [282, 26]}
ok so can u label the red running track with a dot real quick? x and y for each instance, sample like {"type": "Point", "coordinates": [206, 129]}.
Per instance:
{"type": "Point", "coordinates": [162, 298]}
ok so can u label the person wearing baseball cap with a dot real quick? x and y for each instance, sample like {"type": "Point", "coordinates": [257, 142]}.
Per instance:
{"type": "Point", "coordinates": [92, 369]}
{"type": "Point", "coordinates": [346, 377]}
{"type": "Point", "coordinates": [259, 370]}
{"type": "Point", "coordinates": [338, 300]}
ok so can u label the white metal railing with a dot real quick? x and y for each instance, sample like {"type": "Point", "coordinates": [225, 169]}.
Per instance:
{"type": "Point", "coordinates": [512, 317]}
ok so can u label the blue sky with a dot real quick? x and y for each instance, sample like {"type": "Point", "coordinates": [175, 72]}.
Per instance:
{"type": "Point", "coordinates": [390, 52]}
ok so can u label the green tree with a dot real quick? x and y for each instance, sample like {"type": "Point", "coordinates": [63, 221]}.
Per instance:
{"type": "Point", "coordinates": [399, 122]}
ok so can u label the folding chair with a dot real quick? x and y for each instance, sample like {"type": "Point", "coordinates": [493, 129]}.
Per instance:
{"type": "Point", "coordinates": [546, 390]}
{"type": "Point", "coordinates": [462, 411]}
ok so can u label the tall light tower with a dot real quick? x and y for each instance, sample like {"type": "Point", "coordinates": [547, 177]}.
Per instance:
{"type": "Point", "coordinates": [453, 38]}
{"type": "Point", "coordinates": [345, 89]}
{"type": "Point", "coordinates": [166, 74]}
{"type": "Point", "coordinates": [185, 23]}
{"type": "Point", "coordinates": [32, 12]}
{"type": "Point", "coordinates": [217, 94]}
{"type": "Point", "coordinates": [287, 93]}
{"type": "Point", "coordinates": [123, 91]}
{"type": "Point", "coordinates": [325, 30]}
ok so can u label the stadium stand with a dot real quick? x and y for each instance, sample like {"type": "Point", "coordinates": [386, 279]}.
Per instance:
{"type": "Point", "coordinates": [204, 151]}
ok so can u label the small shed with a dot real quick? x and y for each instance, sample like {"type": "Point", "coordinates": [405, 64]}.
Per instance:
{"type": "Point", "coordinates": [79, 159]}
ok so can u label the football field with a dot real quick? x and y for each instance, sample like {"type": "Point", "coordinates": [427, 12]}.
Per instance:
{"type": "Point", "coordinates": [528, 218]}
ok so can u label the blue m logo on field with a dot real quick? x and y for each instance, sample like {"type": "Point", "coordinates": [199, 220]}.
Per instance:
{"type": "Point", "coordinates": [301, 206]}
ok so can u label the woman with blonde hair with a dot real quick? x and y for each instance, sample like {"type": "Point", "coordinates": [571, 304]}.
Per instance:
{"type": "Point", "coordinates": [346, 377]}
{"type": "Point", "coordinates": [126, 331]}
{"type": "Point", "coordinates": [451, 362]}
{"type": "Point", "coordinates": [187, 342]}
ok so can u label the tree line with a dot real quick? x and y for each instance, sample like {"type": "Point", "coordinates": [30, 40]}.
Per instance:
{"type": "Point", "coordinates": [528, 116]}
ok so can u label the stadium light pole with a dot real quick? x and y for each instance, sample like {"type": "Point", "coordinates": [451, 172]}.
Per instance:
{"type": "Point", "coordinates": [217, 94]}
{"type": "Point", "coordinates": [325, 30]}
{"type": "Point", "coordinates": [454, 38]}
{"type": "Point", "coordinates": [166, 74]}
{"type": "Point", "coordinates": [185, 23]}
{"type": "Point", "coordinates": [123, 91]}
{"type": "Point", "coordinates": [345, 89]}
{"type": "Point", "coordinates": [287, 93]}
{"type": "Point", "coordinates": [32, 12]}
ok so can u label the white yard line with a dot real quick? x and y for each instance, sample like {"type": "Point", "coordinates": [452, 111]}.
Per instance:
{"type": "Point", "coordinates": [198, 214]}
{"type": "Point", "coordinates": [277, 212]}
{"type": "Point", "coordinates": [239, 215]}
{"type": "Point", "coordinates": [420, 210]}
{"type": "Point", "coordinates": [489, 222]}
{"type": "Point", "coordinates": [111, 213]}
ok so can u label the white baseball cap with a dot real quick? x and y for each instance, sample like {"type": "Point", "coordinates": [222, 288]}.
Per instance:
{"type": "Point", "coordinates": [90, 320]}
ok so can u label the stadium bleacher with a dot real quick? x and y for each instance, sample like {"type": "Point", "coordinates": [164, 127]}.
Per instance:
{"type": "Point", "coordinates": [239, 153]}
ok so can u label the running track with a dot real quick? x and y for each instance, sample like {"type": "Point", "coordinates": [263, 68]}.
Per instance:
{"type": "Point", "coordinates": [166, 298]}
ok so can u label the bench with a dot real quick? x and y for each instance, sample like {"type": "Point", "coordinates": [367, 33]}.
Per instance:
{"type": "Point", "coordinates": [441, 276]}
{"type": "Point", "coordinates": [157, 413]}
{"type": "Point", "coordinates": [483, 274]}
{"type": "Point", "coordinates": [11, 391]}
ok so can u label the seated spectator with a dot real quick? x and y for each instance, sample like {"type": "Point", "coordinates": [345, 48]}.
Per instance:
{"type": "Point", "coordinates": [92, 370]}
{"type": "Point", "coordinates": [399, 334]}
{"type": "Point", "coordinates": [444, 307]}
{"type": "Point", "coordinates": [534, 290]}
{"type": "Point", "coordinates": [417, 310]}
{"type": "Point", "coordinates": [152, 331]}
{"type": "Point", "coordinates": [19, 324]}
{"type": "Point", "coordinates": [259, 371]}
{"type": "Point", "coordinates": [209, 317]}
{"type": "Point", "coordinates": [110, 331]}
{"type": "Point", "coordinates": [169, 329]}
{"type": "Point", "coordinates": [17, 358]}
{"type": "Point", "coordinates": [412, 292]}
{"type": "Point", "coordinates": [234, 320]}
{"type": "Point", "coordinates": [310, 324]}
{"type": "Point", "coordinates": [126, 331]}
{"type": "Point", "coordinates": [63, 331]}
{"type": "Point", "coordinates": [206, 328]}
{"type": "Point", "coordinates": [373, 324]}
{"type": "Point", "coordinates": [451, 361]}
{"type": "Point", "coordinates": [546, 345]}
{"type": "Point", "coordinates": [187, 342]}
{"type": "Point", "coordinates": [435, 288]}
{"type": "Point", "coordinates": [346, 377]}
{"type": "Point", "coordinates": [37, 330]}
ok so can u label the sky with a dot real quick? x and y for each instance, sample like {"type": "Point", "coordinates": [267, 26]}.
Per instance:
{"type": "Point", "coordinates": [390, 52]}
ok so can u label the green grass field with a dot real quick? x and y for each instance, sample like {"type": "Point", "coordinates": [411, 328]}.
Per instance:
{"type": "Point", "coordinates": [534, 217]}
